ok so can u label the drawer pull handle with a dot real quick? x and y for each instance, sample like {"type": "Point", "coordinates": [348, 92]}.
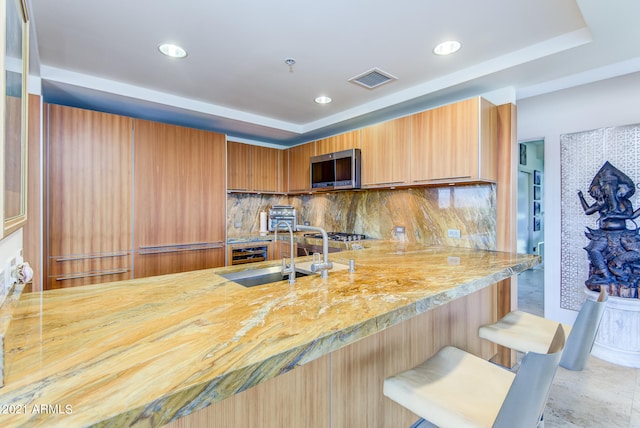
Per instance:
{"type": "Point", "coordinates": [93, 274]}
{"type": "Point", "coordinates": [442, 178]}
{"type": "Point", "coordinates": [91, 256]}
{"type": "Point", "coordinates": [382, 183]}
{"type": "Point", "coordinates": [161, 249]}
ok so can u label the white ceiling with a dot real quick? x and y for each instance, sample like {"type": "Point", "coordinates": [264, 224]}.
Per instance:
{"type": "Point", "coordinates": [104, 55]}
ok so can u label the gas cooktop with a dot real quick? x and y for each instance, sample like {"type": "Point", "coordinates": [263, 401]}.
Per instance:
{"type": "Point", "coordinates": [338, 236]}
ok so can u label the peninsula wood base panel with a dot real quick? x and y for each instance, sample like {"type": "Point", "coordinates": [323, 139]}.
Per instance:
{"type": "Point", "coordinates": [344, 389]}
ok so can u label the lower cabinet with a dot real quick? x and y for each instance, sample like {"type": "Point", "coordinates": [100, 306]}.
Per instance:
{"type": "Point", "coordinates": [83, 269]}
{"type": "Point", "coordinates": [172, 259]}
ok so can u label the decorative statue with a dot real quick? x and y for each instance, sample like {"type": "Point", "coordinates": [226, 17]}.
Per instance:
{"type": "Point", "coordinates": [614, 249]}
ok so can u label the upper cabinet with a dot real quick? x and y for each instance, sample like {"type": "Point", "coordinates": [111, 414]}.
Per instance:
{"type": "Point", "coordinates": [299, 174]}
{"type": "Point", "coordinates": [238, 164]}
{"type": "Point", "coordinates": [13, 111]}
{"type": "Point", "coordinates": [337, 143]}
{"type": "Point", "coordinates": [385, 153]}
{"type": "Point", "coordinates": [300, 156]}
{"type": "Point", "coordinates": [455, 142]}
{"type": "Point", "coordinates": [254, 168]}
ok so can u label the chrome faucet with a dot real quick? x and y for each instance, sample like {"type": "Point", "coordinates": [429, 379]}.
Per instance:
{"type": "Point", "coordinates": [326, 264]}
{"type": "Point", "coordinates": [291, 269]}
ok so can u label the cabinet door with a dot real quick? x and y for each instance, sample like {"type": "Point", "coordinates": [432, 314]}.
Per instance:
{"type": "Point", "coordinates": [385, 153]}
{"type": "Point", "coordinates": [299, 157]}
{"type": "Point", "coordinates": [89, 188]}
{"type": "Point", "coordinates": [179, 198]}
{"type": "Point", "coordinates": [238, 161]}
{"type": "Point", "coordinates": [348, 140]}
{"type": "Point", "coordinates": [265, 169]}
{"type": "Point", "coordinates": [166, 262]}
{"type": "Point", "coordinates": [445, 143]}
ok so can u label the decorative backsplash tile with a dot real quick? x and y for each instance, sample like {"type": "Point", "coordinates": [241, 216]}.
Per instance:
{"type": "Point", "coordinates": [427, 213]}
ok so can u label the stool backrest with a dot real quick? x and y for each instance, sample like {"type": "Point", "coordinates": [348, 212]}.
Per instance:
{"type": "Point", "coordinates": [527, 397]}
{"type": "Point", "coordinates": [583, 333]}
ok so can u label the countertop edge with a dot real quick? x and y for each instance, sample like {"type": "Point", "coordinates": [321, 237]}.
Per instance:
{"type": "Point", "coordinates": [202, 395]}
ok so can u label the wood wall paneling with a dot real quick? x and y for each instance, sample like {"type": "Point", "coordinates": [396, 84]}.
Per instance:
{"type": "Point", "coordinates": [299, 398]}
{"type": "Point", "coordinates": [506, 195]}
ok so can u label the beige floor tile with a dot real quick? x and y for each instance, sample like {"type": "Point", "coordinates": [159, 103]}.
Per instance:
{"type": "Point", "coordinates": [602, 395]}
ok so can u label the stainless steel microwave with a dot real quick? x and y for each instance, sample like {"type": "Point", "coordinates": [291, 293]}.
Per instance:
{"type": "Point", "coordinates": [338, 170]}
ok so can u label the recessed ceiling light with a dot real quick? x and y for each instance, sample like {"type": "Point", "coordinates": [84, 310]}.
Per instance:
{"type": "Point", "coordinates": [323, 100]}
{"type": "Point", "coordinates": [447, 48]}
{"type": "Point", "coordinates": [174, 51]}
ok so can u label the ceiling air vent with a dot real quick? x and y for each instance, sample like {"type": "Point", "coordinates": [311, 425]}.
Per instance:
{"type": "Point", "coordinates": [373, 78]}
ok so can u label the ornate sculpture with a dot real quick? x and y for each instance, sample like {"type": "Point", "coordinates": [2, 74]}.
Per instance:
{"type": "Point", "coordinates": [614, 249]}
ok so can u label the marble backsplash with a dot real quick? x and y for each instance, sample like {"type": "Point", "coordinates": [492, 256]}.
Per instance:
{"type": "Point", "coordinates": [427, 213]}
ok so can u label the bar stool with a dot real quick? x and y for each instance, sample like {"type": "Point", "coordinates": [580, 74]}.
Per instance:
{"type": "Point", "coordinates": [457, 389]}
{"type": "Point", "coordinates": [526, 332]}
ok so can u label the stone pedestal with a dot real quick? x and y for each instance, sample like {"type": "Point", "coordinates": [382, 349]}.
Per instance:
{"type": "Point", "coordinates": [618, 339]}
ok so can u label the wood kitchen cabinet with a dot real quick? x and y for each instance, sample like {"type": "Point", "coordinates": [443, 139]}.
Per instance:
{"type": "Point", "coordinates": [266, 169]}
{"type": "Point", "coordinates": [178, 193]}
{"type": "Point", "coordinates": [385, 153]}
{"type": "Point", "coordinates": [455, 142]}
{"type": "Point", "coordinates": [179, 205]}
{"type": "Point", "coordinates": [238, 165]}
{"type": "Point", "coordinates": [254, 168]}
{"type": "Point", "coordinates": [337, 143]}
{"type": "Point", "coordinates": [299, 175]}
{"type": "Point", "coordinates": [88, 205]}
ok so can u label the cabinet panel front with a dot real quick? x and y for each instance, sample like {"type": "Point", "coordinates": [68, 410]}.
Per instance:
{"type": "Point", "coordinates": [89, 181]}
{"type": "Point", "coordinates": [179, 185]}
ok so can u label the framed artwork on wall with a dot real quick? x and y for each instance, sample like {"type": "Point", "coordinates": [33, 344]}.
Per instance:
{"type": "Point", "coordinates": [536, 208]}
{"type": "Point", "coordinates": [536, 193]}
{"type": "Point", "coordinates": [536, 224]}
{"type": "Point", "coordinates": [537, 177]}
{"type": "Point", "coordinates": [523, 154]}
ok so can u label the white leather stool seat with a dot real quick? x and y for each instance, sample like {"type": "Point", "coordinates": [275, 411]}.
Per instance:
{"type": "Point", "coordinates": [526, 332]}
{"type": "Point", "coordinates": [522, 331]}
{"type": "Point", "coordinates": [452, 388]}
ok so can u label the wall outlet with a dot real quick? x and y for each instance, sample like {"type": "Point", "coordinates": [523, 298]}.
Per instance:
{"type": "Point", "coordinates": [454, 233]}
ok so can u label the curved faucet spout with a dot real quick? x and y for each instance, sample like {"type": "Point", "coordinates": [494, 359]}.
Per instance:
{"type": "Point", "coordinates": [291, 269]}
{"type": "Point", "coordinates": [326, 264]}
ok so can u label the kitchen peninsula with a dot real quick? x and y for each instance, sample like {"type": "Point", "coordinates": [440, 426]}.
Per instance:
{"type": "Point", "coordinates": [194, 349]}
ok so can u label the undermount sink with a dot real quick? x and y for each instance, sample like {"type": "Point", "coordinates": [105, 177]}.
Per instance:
{"type": "Point", "coordinates": [253, 277]}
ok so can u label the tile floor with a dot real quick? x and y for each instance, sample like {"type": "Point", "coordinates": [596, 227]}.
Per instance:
{"type": "Point", "coordinates": [602, 395]}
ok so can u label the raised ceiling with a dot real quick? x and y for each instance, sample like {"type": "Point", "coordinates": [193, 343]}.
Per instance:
{"type": "Point", "coordinates": [104, 55]}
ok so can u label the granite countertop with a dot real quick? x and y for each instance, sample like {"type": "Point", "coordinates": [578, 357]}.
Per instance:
{"type": "Point", "coordinates": [150, 350]}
